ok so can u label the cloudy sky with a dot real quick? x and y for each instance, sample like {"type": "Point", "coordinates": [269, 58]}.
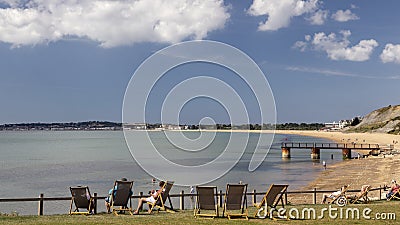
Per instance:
{"type": "Point", "coordinates": [71, 60]}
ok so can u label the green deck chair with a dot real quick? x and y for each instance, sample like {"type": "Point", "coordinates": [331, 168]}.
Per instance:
{"type": "Point", "coordinates": [235, 204]}
{"type": "Point", "coordinates": [206, 199]}
{"type": "Point", "coordinates": [121, 197]}
{"type": "Point", "coordinates": [82, 199]}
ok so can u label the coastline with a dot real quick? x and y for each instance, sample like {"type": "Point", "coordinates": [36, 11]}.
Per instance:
{"type": "Point", "coordinates": [374, 170]}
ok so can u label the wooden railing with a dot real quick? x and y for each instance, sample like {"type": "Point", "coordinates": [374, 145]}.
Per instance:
{"type": "Point", "coordinates": [329, 145]}
{"type": "Point", "coordinates": [41, 199]}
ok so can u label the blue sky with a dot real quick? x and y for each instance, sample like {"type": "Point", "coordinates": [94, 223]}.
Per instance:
{"type": "Point", "coordinates": [64, 61]}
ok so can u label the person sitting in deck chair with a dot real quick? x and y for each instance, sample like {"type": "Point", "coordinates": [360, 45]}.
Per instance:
{"type": "Point", "coordinates": [110, 192]}
{"type": "Point", "coordinates": [334, 195]}
{"type": "Point", "coordinates": [360, 196]}
{"type": "Point", "coordinates": [152, 199]}
{"type": "Point", "coordinates": [394, 189]}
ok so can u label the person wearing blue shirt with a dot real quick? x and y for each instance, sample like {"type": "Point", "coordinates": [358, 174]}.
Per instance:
{"type": "Point", "coordinates": [110, 192]}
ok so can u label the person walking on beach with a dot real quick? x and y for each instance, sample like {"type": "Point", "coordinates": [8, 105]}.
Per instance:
{"type": "Point", "coordinates": [324, 164]}
{"type": "Point", "coordinates": [152, 199]}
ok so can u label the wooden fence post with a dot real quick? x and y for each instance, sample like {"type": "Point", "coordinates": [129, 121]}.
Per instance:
{"type": "Point", "coordinates": [40, 206]}
{"type": "Point", "coordinates": [286, 197]}
{"type": "Point", "coordinates": [315, 196]}
{"type": "Point", "coordinates": [95, 203]}
{"type": "Point", "coordinates": [254, 196]}
{"type": "Point", "coordinates": [182, 201]}
{"type": "Point", "coordinates": [220, 198]}
{"type": "Point", "coordinates": [141, 195]}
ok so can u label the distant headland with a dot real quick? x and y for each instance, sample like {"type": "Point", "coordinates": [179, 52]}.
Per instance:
{"type": "Point", "coordinates": [111, 126]}
{"type": "Point", "coordinates": [383, 120]}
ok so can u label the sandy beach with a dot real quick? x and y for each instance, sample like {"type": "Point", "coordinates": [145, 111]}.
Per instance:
{"type": "Point", "coordinates": [375, 171]}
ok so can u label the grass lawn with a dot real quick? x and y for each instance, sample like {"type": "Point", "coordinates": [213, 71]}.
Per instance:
{"type": "Point", "coordinates": [381, 208]}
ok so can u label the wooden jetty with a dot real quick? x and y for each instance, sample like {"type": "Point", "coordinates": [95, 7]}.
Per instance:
{"type": "Point", "coordinates": [316, 148]}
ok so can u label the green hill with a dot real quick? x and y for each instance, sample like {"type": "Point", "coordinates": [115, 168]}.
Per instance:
{"type": "Point", "coordinates": [383, 120]}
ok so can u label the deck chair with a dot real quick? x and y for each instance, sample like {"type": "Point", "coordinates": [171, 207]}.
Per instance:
{"type": "Point", "coordinates": [235, 200]}
{"type": "Point", "coordinates": [121, 197]}
{"type": "Point", "coordinates": [341, 199]}
{"type": "Point", "coordinates": [162, 198]}
{"type": "Point", "coordinates": [206, 200]}
{"type": "Point", "coordinates": [361, 196]}
{"type": "Point", "coordinates": [271, 199]}
{"type": "Point", "coordinates": [82, 199]}
{"type": "Point", "coordinates": [395, 195]}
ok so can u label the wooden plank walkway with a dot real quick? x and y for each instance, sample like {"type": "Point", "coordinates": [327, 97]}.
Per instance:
{"type": "Point", "coordinates": [302, 145]}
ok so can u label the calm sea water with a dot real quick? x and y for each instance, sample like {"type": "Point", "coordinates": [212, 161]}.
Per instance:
{"type": "Point", "coordinates": [50, 162]}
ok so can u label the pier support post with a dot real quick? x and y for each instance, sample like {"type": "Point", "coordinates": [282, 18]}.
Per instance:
{"type": "Point", "coordinates": [346, 153]}
{"type": "Point", "coordinates": [315, 153]}
{"type": "Point", "coordinates": [285, 153]}
{"type": "Point", "coordinates": [375, 152]}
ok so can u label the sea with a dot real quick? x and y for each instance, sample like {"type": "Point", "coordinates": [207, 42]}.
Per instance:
{"type": "Point", "coordinates": [49, 162]}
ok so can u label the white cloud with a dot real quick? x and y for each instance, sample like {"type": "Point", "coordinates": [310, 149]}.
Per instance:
{"type": "Point", "coordinates": [339, 48]}
{"type": "Point", "coordinates": [353, 6]}
{"type": "Point", "coordinates": [319, 17]}
{"type": "Point", "coordinates": [391, 53]}
{"type": "Point", "coordinates": [329, 72]}
{"type": "Point", "coordinates": [344, 16]}
{"type": "Point", "coordinates": [301, 45]}
{"type": "Point", "coordinates": [109, 22]}
{"type": "Point", "coordinates": [280, 12]}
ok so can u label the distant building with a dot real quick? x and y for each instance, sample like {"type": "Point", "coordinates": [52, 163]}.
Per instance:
{"type": "Point", "coordinates": [171, 127]}
{"type": "Point", "coordinates": [135, 126]}
{"type": "Point", "coordinates": [337, 125]}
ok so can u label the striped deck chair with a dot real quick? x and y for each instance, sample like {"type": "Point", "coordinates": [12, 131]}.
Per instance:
{"type": "Point", "coordinates": [82, 199]}
{"type": "Point", "coordinates": [235, 204]}
{"type": "Point", "coordinates": [162, 198]}
{"type": "Point", "coordinates": [206, 199]}
{"type": "Point", "coordinates": [361, 196]}
{"type": "Point", "coordinates": [395, 195]}
{"type": "Point", "coordinates": [121, 197]}
{"type": "Point", "coordinates": [338, 197]}
{"type": "Point", "coordinates": [271, 199]}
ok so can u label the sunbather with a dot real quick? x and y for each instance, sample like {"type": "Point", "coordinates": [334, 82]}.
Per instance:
{"type": "Point", "coordinates": [360, 195]}
{"type": "Point", "coordinates": [110, 192]}
{"type": "Point", "coordinates": [153, 196]}
{"type": "Point", "coordinates": [394, 188]}
{"type": "Point", "coordinates": [333, 195]}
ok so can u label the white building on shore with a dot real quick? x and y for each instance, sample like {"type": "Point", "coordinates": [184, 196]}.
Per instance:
{"type": "Point", "coordinates": [337, 125]}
